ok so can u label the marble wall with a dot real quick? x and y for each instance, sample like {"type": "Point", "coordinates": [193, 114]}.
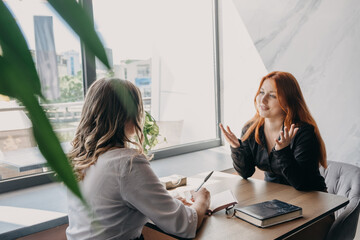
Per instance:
{"type": "Point", "coordinates": [318, 42]}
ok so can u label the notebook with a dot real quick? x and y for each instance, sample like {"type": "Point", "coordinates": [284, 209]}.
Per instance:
{"type": "Point", "coordinates": [268, 213]}
{"type": "Point", "coordinates": [221, 201]}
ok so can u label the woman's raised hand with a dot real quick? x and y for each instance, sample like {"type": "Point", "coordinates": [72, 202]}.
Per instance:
{"type": "Point", "coordinates": [285, 137]}
{"type": "Point", "coordinates": [230, 137]}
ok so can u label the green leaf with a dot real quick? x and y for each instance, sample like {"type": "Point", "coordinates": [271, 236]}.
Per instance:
{"type": "Point", "coordinates": [80, 22]}
{"type": "Point", "coordinates": [50, 147]}
{"type": "Point", "coordinates": [125, 98]}
{"type": "Point", "coordinates": [7, 72]}
{"type": "Point", "coordinates": [15, 49]}
{"type": "Point", "coordinates": [9, 80]}
{"type": "Point", "coordinates": [44, 135]}
{"type": "Point", "coordinates": [151, 132]}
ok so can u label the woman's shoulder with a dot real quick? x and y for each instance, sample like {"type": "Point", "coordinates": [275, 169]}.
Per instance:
{"type": "Point", "coordinates": [246, 127]}
{"type": "Point", "coordinates": [124, 155]}
{"type": "Point", "coordinates": [305, 127]}
{"type": "Point", "coordinates": [121, 151]}
{"type": "Point", "coordinates": [306, 132]}
{"type": "Point", "coordinates": [123, 160]}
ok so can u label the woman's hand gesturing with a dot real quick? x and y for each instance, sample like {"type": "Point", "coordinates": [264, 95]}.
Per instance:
{"type": "Point", "coordinates": [285, 137]}
{"type": "Point", "coordinates": [230, 136]}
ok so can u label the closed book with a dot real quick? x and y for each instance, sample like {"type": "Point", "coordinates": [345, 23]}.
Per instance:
{"type": "Point", "coordinates": [268, 213]}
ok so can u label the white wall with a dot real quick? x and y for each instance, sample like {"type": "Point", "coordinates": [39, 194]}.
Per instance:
{"type": "Point", "coordinates": [242, 69]}
{"type": "Point", "coordinates": [318, 42]}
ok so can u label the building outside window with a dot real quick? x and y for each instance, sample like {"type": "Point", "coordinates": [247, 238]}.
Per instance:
{"type": "Point", "coordinates": [55, 50]}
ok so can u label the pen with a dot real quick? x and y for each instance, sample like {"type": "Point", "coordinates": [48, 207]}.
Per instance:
{"type": "Point", "coordinates": [207, 177]}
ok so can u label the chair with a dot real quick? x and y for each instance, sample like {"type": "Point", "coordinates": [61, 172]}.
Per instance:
{"type": "Point", "coordinates": [343, 179]}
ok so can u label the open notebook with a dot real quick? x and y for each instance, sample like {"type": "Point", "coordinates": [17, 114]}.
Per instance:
{"type": "Point", "coordinates": [221, 201]}
{"type": "Point", "coordinates": [218, 202]}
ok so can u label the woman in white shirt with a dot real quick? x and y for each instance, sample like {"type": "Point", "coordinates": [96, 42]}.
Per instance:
{"type": "Point", "coordinates": [116, 179]}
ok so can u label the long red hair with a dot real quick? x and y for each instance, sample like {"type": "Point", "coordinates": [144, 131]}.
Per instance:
{"type": "Point", "coordinates": [292, 103]}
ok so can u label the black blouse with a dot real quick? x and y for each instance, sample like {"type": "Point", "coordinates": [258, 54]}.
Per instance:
{"type": "Point", "coordinates": [295, 165]}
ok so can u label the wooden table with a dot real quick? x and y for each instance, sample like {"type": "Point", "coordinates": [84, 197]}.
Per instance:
{"type": "Point", "coordinates": [317, 210]}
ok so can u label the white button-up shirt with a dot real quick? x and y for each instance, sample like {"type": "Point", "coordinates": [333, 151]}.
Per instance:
{"type": "Point", "coordinates": [124, 193]}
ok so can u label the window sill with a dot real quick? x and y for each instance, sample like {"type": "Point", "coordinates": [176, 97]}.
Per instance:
{"type": "Point", "coordinates": [43, 207]}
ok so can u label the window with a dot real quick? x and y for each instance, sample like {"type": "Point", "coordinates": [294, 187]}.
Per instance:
{"type": "Point", "coordinates": [56, 53]}
{"type": "Point", "coordinates": [165, 48]}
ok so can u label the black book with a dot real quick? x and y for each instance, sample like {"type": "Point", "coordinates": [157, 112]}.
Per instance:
{"type": "Point", "coordinates": [268, 213]}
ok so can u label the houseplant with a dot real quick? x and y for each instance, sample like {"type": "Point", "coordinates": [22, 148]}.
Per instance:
{"type": "Point", "coordinates": [19, 78]}
{"type": "Point", "coordinates": [151, 133]}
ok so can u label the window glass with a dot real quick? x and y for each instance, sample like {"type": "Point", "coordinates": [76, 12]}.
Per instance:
{"type": "Point", "coordinates": [56, 52]}
{"type": "Point", "coordinates": [166, 49]}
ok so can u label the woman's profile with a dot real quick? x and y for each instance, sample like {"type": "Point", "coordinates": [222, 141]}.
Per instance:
{"type": "Point", "coordinates": [115, 176]}
{"type": "Point", "coordinates": [282, 139]}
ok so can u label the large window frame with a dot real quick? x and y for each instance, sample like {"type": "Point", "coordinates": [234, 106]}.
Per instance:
{"type": "Point", "coordinates": [89, 76]}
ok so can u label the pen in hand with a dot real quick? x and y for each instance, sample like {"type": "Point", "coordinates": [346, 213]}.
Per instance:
{"type": "Point", "coordinates": [207, 177]}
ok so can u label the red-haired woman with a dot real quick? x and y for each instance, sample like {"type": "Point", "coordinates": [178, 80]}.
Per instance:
{"type": "Point", "coordinates": [282, 139]}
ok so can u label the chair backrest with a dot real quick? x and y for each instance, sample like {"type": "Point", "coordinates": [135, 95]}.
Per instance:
{"type": "Point", "coordinates": [343, 179]}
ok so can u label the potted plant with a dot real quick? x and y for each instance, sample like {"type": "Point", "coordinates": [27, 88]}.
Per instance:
{"type": "Point", "coordinates": [19, 79]}
{"type": "Point", "coordinates": [151, 133]}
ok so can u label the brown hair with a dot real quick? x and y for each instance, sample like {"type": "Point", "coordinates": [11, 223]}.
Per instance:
{"type": "Point", "coordinates": [110, 105]}
{"type": "Point", "coordinates": [292, 103]}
